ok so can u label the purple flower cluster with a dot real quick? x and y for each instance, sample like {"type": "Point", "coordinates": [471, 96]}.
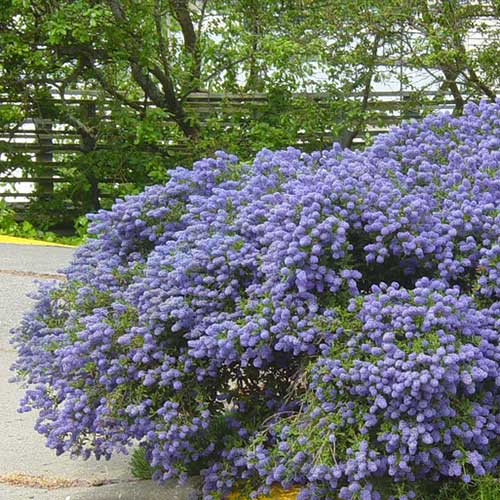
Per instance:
{"type": "Point", "coordinates": [237, 321]}
{"type": "Point", "coordinates": [405, 390]}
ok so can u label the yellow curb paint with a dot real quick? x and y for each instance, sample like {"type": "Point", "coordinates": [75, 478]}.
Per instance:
{"type": "Point", "coordinates": [276, 494]}
{"type": "Point", "coordinates": [26, 241]}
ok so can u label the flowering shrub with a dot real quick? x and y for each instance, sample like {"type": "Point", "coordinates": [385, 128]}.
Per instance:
{"type": "Point", "coordinates": [325, 320]}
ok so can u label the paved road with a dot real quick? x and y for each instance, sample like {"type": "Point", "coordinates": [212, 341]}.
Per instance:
{"type": "Point", "coordinates": [22, 450]}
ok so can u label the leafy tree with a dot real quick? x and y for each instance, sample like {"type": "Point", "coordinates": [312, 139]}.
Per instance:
{"type": "Point", "coordinates": [139, 63]}
{"type": "Point", "coordinates": [460, 41]}
{"type": "Point", "coordinates": [144, 59]}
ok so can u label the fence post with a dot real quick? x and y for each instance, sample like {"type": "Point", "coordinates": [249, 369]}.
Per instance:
{"type": "Point", "coordinates": [44, 155]}
{"type": "Point", "coordinates": [88, 144]}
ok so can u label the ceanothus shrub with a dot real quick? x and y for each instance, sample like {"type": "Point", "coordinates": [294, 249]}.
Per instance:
{"type": "Point", "coordinates": [326, 320]}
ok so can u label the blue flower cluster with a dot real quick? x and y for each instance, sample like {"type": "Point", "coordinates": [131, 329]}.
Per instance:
{"type": "Point", "coordinates": [328, 320]}
{"type": "Point", "coordinates": [405, 391]}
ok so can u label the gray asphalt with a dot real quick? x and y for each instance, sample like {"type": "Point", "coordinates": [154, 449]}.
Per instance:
{"type": "Point", "coordinates": [22, 449]}
{"type": "Point", "coordinates": [34, 258]}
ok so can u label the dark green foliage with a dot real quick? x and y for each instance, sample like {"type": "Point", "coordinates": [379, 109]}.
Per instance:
{"type": "Point", "coordinates": [139, 465]}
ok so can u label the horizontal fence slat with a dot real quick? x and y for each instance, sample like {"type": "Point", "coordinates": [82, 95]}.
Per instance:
{"type": "Point", "coordinates": [22, 195]}
{"type": "Point", "coordinates": [81, 95]}
{"type": "Point", "coordinates": [21, 180]}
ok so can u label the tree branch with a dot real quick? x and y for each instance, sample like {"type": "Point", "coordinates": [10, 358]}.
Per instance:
{"type": "Point", "coordinates": [181, 12]}
{"type": "Point", "coordinates": [167, 99]}
{"type": "Point", "coordinates": [368, 77]}
{"type": "Point", "coordinates": [480, 85]}
{"type": "Point", "coordinates": [75, 122]}
{"type": "Point", "coordinates": [202, 18]}
{"type": "Point", "coordinates": [157, 14]}
{"type": "Point", "coordinates": [107, 87]}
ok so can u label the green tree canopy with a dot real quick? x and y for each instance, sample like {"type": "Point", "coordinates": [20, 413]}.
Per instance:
{"type": "Point", "coordinates": [140, 62]}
